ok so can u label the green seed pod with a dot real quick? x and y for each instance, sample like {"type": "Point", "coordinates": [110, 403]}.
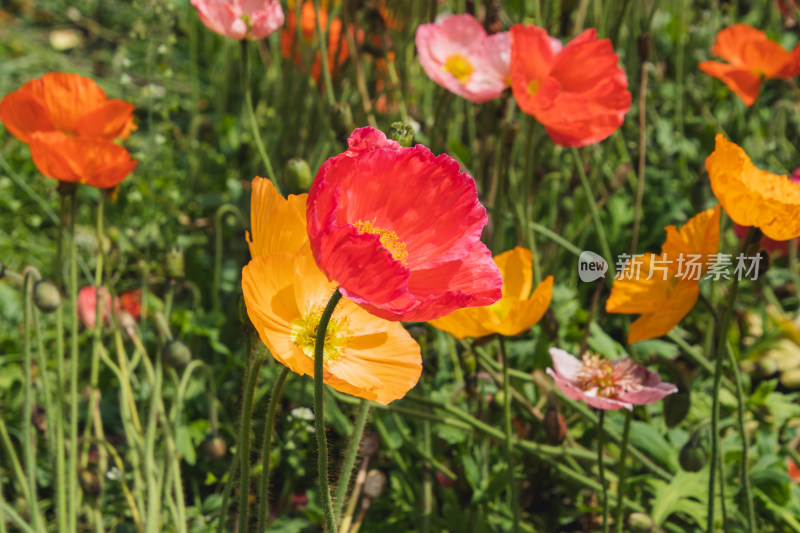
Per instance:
{"type": "Point", "coordinates": [298, 175]}
{"type": "Point", "coordinates": [176, 264]}
{"type": "Point", "coordinates": [499, 398]}
{"type": "Point", "coordinates": [402, 133]}
{"type": "Point", "coordinates": [676, 407]}
{"type": "Point", "coordinates": [46, 296]}
{"type": "Point", "coordinates": [693, 456]}
{"type": "Point", "coordinates": [176, 354]}
{"type": "Point", "coordinates": [374, 484]}
{"type": "Point", "coordinates": [641, 523]}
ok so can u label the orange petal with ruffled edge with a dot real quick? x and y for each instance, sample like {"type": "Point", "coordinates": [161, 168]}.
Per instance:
{"type": "Point", "coordinates": [23, 113]}
{"type": "Point", "coordinates": [700, 235]}
{"type": "Point", "coordinates": [113, 119]}
{"type": "Point", "coordinates": [92, 161]}
{"type": "Point", "coordinates": [651, 325]}
{"type": "Point", "coordinates": [751, 196]}
{"type": "Point", "coordinates": [278, 224]}
{"type": "Point", "coordinates": [741, 81]}
{"type": "Point", "coordinates": [526, 313]}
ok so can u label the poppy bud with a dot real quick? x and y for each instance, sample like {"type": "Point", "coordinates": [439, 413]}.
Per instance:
{"type": "Point", "coordinates": [555, 427]}
{"type": "Point", "coordinates": [370, 444]}
{"type": "Point", "coordinates": [175, 263]}
{"type": "Point", "coordinates": [468, 364]}
{"type": "Point", "coordinates": [46, 296]}
{"type": "Point", "coordinates": [90, 482]}
{"type": "Point", "coordinates": [791, 379]}
{"type": "Point", "coordinates": [403, 133]}
{"type": "Point", "coordinates": [643, 47]}
{"type": "Point", "coordinates": [641, 523]}
{"type": "Point", "coordinates": [298, 175]}
{"type": "Point", "coordinates": [676, 407]}
{"type": "Point", "coordinates": [693, 456]}
{"type": "Point", "coordinates": [374, 484]}
{"type": "Point", "coordinates": [444, 481]}
{"type": "Point", "coordinates": [214, 447]}
{"type": "Point", "coordinates": [176, 354]}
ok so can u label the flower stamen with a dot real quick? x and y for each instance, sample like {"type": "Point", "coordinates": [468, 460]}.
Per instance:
{"type": "Point", "coordinates": [389, 240]}
{"type": "Point", "coordinates": [610, 378]}
{"type": "Point", "coordinates": [304, 334]}
{"type": "Point", "coordinates": [459, 66]}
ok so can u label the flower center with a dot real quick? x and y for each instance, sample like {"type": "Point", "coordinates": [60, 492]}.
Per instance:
{"type": "Point", "coordinates": [610, 377]}
{"type": "Point", "coordinates": [459, 66]}
{"type": "Point", "coordinates": [304, 334]}
{"type": "Point", "coordinates": [533, 87]}
{"type": "Point", "coordinates": [389, 240]}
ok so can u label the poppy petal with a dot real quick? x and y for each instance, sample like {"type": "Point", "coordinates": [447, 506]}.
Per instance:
{"type": "Point", "coordinates": [658, 323]}
{"type": "Point", "coordinates": [740, 80]}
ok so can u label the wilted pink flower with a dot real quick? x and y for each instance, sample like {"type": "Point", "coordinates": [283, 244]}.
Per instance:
{"type": "Point", "coordinates": [240, 19]}
{"type": "Point", "coordinates": [770, 245]}
{"type": "Point", "coordinates": [606, 383]}
{"type": "Point", "coordinates": [458, 54]}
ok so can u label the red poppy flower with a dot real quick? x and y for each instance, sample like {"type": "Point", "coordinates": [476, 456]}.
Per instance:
{"type": "Point", "coordinates": [752, 57]}
{"type": "Point", "coordinates": [70, 126]}
{"type": "Point", "coordinates": [578, 92]}
{"type": "Point", "coordinates": [399, 230]}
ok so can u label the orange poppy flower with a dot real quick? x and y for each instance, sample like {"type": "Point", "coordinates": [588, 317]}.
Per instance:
{"type": "Point", "coordinates": [285, 293]}
{"type": "Point", "coordinates": [578, 91]}
{"type": "Point", "coordinates": [751, 57]}
{"type": "Point", "coordinates": [515, 312]}
{"type": "Point", "coordinates": [70, 126]}
{"type": "Point", "coordinates": [751, 196]}
{"type": "Point", "coordinates": [664, 288]}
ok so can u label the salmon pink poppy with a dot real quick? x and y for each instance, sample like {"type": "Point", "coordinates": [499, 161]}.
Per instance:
{"type": "Point", "coordinates": [240, 19]}
{"type": "Point", "coordinates": [399, 230]}
{"type": "Point", "coordinates": [459, 55]}
{"type": "Point", "coordinates": [285, 293]}
{"type": "Point", "coordinates": [71, 126]}
{"type": "Point", "coordinates": [751, 57]}
{"type": "Point", "coordinates": [578, 92]}
{"type": "Point", "coordinates": [606, 383]}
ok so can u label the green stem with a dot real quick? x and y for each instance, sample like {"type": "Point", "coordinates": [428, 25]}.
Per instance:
{"type": "Point", "coordinates": [427, 482]}
{"type": "Point", "coordinates": [72, 463]}
{"type": "Point", "coordinates": [244, 439]}
{"type": "Point", "coordinates": [226, 493]}
{"type": "Point", "coordinates": [319, 406]}
{"type": "Point", "coordinates": [598, 225]}
{"type": "Point", "coordinates": [248, 100]}
{"type": "Point", "coordinates": [600, 445]}
{"type": "Point", "coordinates": [29, 439]}
{"type": "Point", "coordinates": [509, 442]}
{"type": "Point", "coordinates": [740, 408]}
{"type": "Point", "coordinates": [323, 50]}
{"type": "Point", "coordinates": [266, 462]}
{"type": "Point", "coordinates": [219, 216]}
{"type": "Point", "coordinates": [61, 476]}
{"type": "Point", "coordinates": [623, 455]}
{"type": "Point", "coordinates": [637, 210]}
{"type": "Point", "coordinates": [721, 345]}
{"type": "Point", "coordinates": [350, 457]}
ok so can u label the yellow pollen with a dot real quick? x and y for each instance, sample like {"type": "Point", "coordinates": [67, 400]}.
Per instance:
{"type": "Point", "coordinates": [459, 66]}
{"type": "Point", "coordinates": [533, 87]}
{"type": "Point", "coordinates": [609, 377]}
{"type": "Point", "coordinates": [304, 335]}
{"type": "Point", "coordinates": [389, 240]}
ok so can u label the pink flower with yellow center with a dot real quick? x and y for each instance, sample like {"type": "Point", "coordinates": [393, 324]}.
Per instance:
{"type": "Point", "coordinates": [606, 383]}
{"type": "Point", "coordinates": [240, 19]}
{"type": "Point", "coordinates": [459, 55]}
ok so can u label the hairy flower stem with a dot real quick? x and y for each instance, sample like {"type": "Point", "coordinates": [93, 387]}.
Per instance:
{"type": "Point", "coordinates": [266, 463]}
{"type": "Point", "coordinates": [623, 454]}
{"type": "Point", "coordinates": [600, 445]}
{"type": "Point", "coordinates": [598, 224]}
{"type": "Point", "coordinates": [319, 413]}
{"type": "Point", "coordinates": [72, 463]}
{"type": "Point", "coordinates": [248, 103]}
{"type": "Point", "coordinates": [509, 439]}
{"type": "Point", "coordinates": [350, 458]}
{"type": "Point", "coordinates": [244, 438]}
{"type": "Point", "coordinates": [721, 346]}
{"type": "Point", "coordinates": [637, 210]}
{"type": "Point", "coordinates": [27, 410]}
{"type": "Point", "coordinates": [741, 401]}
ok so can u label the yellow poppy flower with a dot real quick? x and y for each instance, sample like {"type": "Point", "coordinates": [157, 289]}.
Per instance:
{"type": "Point", "coordinates": [674, 278]}
{"type": "Point", "coordinates": [751, 196]}
{"type": "Point", "coordinates": [285, 293]}
{"type": "Point", "coordinates": [515, 312]}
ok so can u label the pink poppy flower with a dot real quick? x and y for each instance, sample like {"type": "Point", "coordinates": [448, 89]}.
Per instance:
{"type": "Point", "coordinates": [128, 308]}
{"type": "Point", "coordinates": [770, 245]}
{"type": "Point", "coordinates": [399, 230]}
{"type": "Point", "coordinates": [459, 55]}
{"type": "Point", "coordinates": [606, 383]}
{"type": "Point", "coordinates": [240, 19]}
